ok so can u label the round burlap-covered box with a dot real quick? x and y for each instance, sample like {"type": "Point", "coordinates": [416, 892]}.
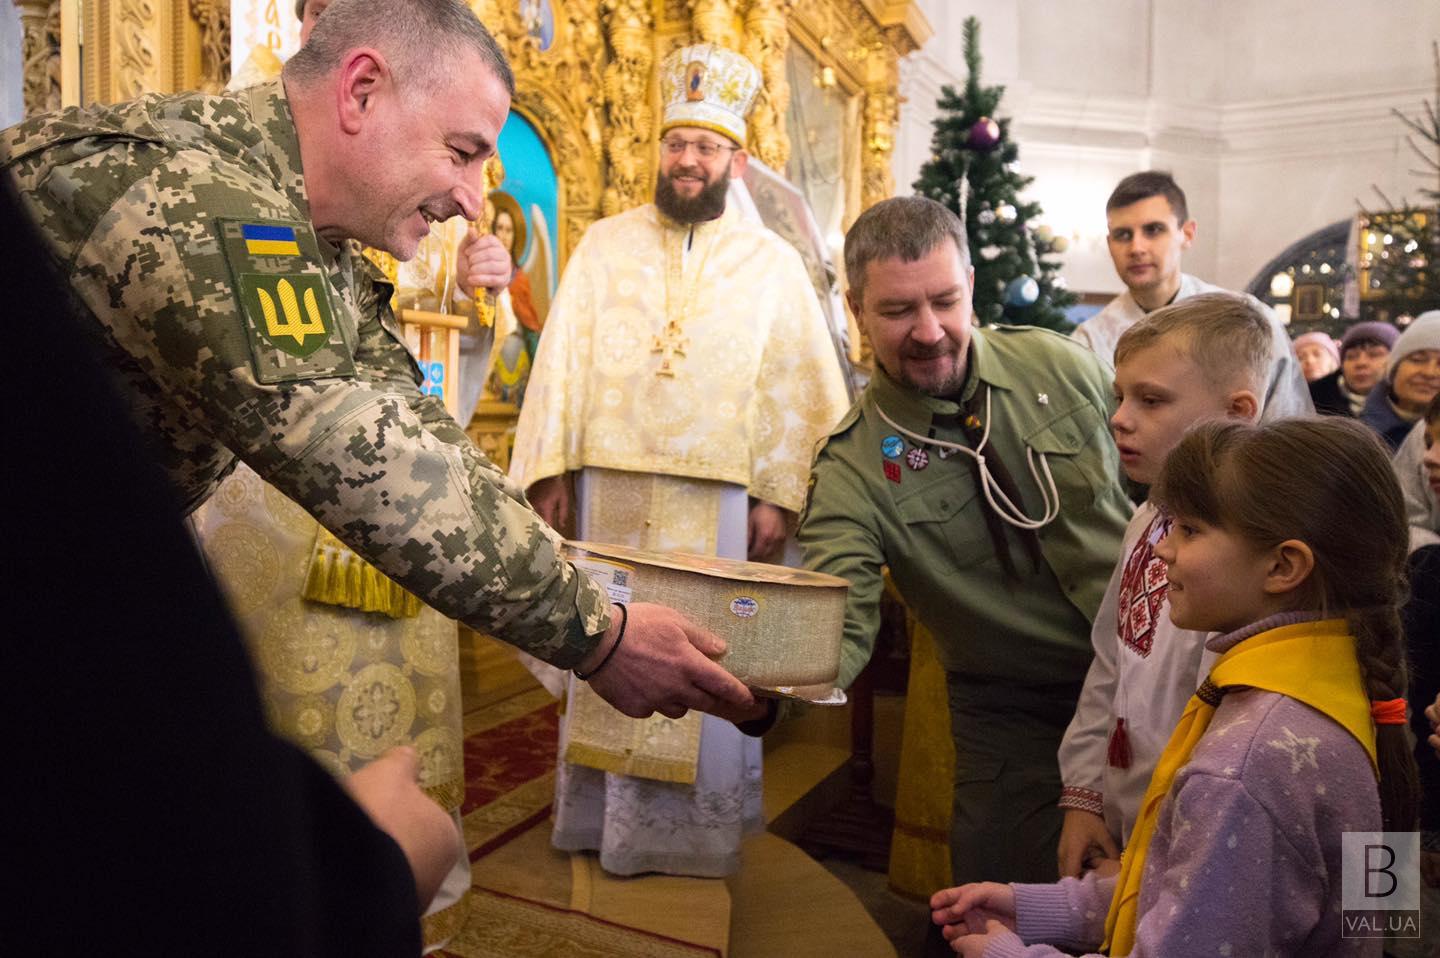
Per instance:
{"type": "Point", "coordinates": [782, 626]}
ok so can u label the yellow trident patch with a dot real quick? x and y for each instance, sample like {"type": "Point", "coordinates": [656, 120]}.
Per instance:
{"type": "Point", "coordinates": [302, 322]}
{"type": "Point", "coordinates": [294, 326]}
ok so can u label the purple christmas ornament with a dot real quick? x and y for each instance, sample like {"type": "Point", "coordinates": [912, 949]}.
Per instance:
{"type": "Point", "coordinates": [984, 135]}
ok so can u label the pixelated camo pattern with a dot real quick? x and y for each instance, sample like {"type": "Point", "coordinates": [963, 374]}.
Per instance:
{"type": "Point", "coordinates": [132, 199]}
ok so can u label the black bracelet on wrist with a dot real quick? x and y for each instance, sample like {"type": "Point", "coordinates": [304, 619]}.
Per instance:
{"type": "Point", "coordinates": [624, 621]}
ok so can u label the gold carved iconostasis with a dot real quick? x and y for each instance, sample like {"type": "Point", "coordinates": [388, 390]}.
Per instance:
{"type": "Point", "coordinates": [581, 141]}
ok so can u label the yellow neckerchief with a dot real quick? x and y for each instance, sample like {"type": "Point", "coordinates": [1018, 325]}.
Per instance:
{"type": "Point", "coordinates": [1311, 662]}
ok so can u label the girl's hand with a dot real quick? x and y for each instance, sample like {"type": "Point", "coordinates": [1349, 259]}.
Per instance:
{"type": "Point", "coordinates": [973, 946]}
{"type": "Point", "coordinates": [969, 909]}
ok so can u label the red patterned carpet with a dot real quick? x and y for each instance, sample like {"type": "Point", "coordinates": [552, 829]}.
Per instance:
{"type": "Point", "coordinates": [503, 926]}
{"type": "Point", "coordinates": [509, 769]}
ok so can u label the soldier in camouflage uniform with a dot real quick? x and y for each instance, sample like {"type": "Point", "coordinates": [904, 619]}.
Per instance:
{"type": "Point", "coordinates": [213, 269]}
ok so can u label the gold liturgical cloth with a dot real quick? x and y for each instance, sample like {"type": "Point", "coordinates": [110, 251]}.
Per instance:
{"type": "Point", "coordinates": [663, 514]}
{"type": "Point", "coordinates": [696, 352]}
{"type": "Point", "coordinates": [344, 684]}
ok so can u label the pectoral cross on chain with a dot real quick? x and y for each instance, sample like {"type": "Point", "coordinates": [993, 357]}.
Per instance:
{"type": "Point", "coordinates": [669, 344]}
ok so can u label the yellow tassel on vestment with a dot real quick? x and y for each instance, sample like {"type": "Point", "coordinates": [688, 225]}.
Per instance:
{"type": "Point", "coordinates": [337, 576]}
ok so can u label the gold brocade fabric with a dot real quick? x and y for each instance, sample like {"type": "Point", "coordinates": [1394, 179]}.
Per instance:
{"type": "Point", "coordinates": [659, 513]}
{"type": "Point", "coordinates": [344, 684]}
{"type": "Point", "coordinates": [925, 795]}
{"type": "Point", "coordinates": [754, 384]}
{"type": "Point", "coordinates": [662, 513]}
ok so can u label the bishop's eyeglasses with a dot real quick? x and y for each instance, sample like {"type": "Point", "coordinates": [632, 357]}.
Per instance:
{"type": "Point", "coordinates": [706, 149]}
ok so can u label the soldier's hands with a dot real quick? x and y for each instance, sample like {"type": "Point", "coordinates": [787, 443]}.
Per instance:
{"type": "Point", "coordinates": [663, 665]}
{"type": "Point", "coordinates": [551, 498]}
{"type": "Point", "coordinates": [483, 261]}
{"type": "Point", "coordinates": [389, 791]}
{"type": "Point", "coordinates": [1084, 839]}
{"type": "Point", "coordinates": [766, 532]}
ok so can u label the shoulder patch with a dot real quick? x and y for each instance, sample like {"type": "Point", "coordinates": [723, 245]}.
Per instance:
{"type": "Point", "coordinates": [284, 299]}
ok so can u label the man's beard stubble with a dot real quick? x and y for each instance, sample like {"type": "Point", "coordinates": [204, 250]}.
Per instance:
{"type": "Point", "coordinates": [948, 387]}
{"type": "Point", "coordinates": [708, 204]}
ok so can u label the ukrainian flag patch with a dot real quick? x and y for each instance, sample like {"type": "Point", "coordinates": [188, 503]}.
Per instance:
{"type": "Point", "coordinates": [269, 240]}
{"type": "Point", "coordinates": [285, 300]}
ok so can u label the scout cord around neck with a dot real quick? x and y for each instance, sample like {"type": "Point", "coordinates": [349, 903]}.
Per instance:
{"type": "Point", "coordinates": [1004, 508]}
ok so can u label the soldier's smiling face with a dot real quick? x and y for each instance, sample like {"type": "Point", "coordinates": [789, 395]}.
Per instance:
{"type": "Point", "coordinates": [425, 155]}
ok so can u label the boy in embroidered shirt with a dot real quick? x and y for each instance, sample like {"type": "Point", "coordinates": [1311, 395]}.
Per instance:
{"type": "Point", "coordinates": [1201, 359]}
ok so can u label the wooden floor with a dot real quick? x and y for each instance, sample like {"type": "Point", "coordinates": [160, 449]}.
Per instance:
{"type": "Point", "coordinates": [782, 903]}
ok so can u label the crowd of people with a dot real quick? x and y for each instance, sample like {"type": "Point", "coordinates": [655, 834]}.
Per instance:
{"type": "Point", "coordinates": [1189, 629]}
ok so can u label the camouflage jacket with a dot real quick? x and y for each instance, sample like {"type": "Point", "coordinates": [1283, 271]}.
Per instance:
{"type": "Point", "coordinates": [183, 226]}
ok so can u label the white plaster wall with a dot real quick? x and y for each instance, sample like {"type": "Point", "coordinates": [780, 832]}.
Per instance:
{"type": "Point", "coordinates": [12, 86]}
{"type": "Point", "coordinates": [1273, 114]}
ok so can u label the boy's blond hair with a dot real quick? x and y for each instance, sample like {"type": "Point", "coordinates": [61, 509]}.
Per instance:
{"type": "Point", "coordinates": [1225, 335]}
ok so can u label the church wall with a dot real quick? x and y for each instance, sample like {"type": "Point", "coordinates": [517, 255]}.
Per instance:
{"type": "Point", "coordinates": [1273, 116]}
{"type": "Point", "coordinates": [12, 103]}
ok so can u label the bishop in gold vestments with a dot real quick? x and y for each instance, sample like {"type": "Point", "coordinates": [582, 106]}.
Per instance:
{"type": "Point", "coordinates": [685, 375]}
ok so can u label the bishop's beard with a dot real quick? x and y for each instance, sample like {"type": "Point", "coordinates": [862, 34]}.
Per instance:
{"type": "Point", "coordinates": [708, 204]}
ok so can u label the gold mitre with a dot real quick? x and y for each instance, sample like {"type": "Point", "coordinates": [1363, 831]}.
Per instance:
{"type": "Point", "coordinates": [710, 87]}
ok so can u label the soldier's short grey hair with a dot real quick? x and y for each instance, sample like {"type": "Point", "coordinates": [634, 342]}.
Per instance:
{"type": "Point", "coordinates": [906, 228]}
{"type": "Point", "coordinates": [420, 39]}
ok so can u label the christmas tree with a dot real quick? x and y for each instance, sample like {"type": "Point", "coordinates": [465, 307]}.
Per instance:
{"type": "Point", "coordinates": [971, 171]}
{"type": "Point", "coordinates": [1400, 246]}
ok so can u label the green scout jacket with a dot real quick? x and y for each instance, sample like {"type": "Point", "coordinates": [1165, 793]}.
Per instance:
{"type": "Point", "coordinates": [183, 226]}
{"type": "Point", "coordinates": [870, 507]}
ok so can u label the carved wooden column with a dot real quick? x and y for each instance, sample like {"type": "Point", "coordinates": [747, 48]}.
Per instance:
{"type": "Point", "coordinates": [582, 75]}
{"type": "Point", "coordinates": [715, 21]}
{"type": "Point", "coordinates": [40, 54]}
{"type": "Point", "coordinates": [877, 142]}
{"type": "Point", "coordinates": [628, 30]}
{"type": "Point", "coordinates": [124, 49]}
{"type": "Point", "coordinates": [902, 33]}
{"type": "Point", "coordinates": [212, 17]}
{"type": "Point", "coordinates": [133, 47]}
{"type": "Point", "coordinates": [767, 38]}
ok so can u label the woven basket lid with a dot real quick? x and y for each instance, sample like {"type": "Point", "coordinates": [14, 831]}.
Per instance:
{"type": "Point", "coordinates": [781, 626]}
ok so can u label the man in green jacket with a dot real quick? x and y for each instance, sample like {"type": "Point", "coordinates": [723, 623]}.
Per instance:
{"type": "Point", "coordinates": [978, 467]}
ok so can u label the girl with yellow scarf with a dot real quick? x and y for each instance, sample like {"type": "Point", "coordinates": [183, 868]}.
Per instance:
{"type": "Point", "coordinates": [1289, 538]}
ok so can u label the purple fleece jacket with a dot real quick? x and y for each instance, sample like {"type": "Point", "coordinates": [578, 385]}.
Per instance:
{"type": "Point", "coordinates": [1245, 860]}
